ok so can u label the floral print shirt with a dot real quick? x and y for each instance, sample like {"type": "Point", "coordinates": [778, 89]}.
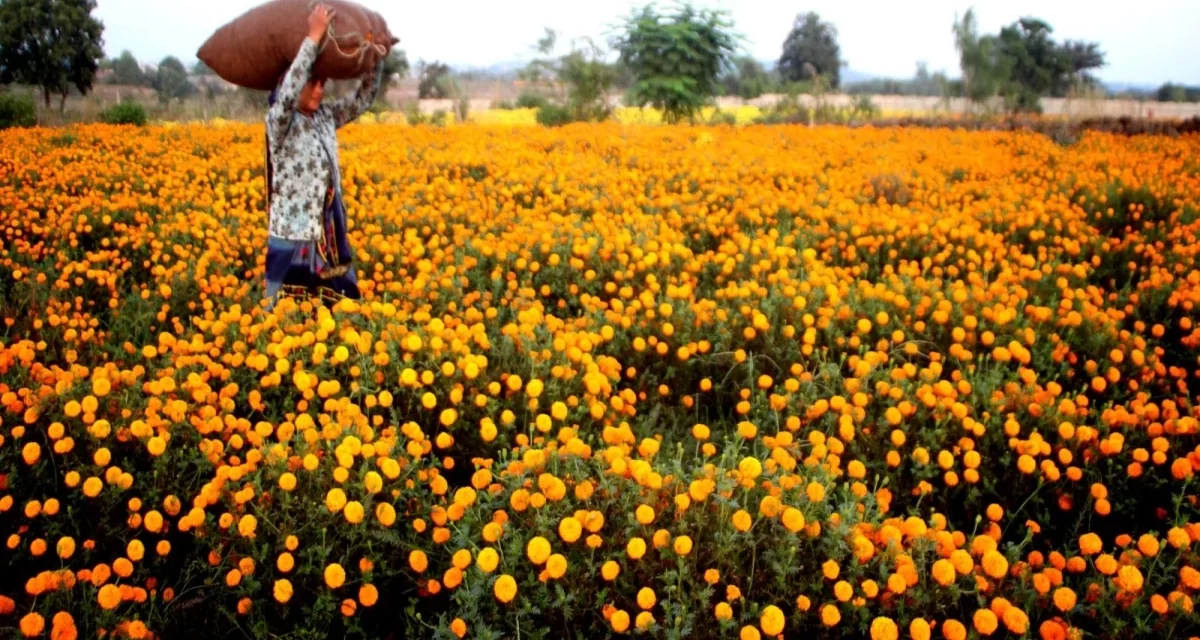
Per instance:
{"type": "Point", "coordinates": [304, 148]}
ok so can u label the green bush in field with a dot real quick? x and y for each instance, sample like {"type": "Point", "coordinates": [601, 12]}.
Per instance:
{"type": "Point", "coordinates": [553, 115]}
{"type": "Point", "coordinates": [125, 113]}
{"type": "Point", "coordinates": [17, 111]}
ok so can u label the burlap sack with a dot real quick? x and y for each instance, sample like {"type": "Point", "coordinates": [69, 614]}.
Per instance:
{"type": "Point", "coordinates": [254, 50]}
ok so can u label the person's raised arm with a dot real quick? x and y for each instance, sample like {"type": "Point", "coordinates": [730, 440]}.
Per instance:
{"type": "Point", "coordinates": [279, 117]}
{"type": "Point", "coordinates": [345, 110]}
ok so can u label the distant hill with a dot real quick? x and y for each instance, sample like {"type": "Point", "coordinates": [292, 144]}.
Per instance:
{"type": "Point", "coordinates": [850, 76]}
{"type": "Point", "coordinates": [1130, 87]}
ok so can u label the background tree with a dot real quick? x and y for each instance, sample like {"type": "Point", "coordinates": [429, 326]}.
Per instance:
{"type": "Point", "coordinates": [811, 42]}
{"type": "Point", "coordinates": [746, 79]}
{"type": "Point", "coordinates": [50, 44]}
{"type": "Point", "coordinates": [1080, 58]}
{"type": "Point", "coordinates": [1033, 61]}
{"type": "Point", "coordinates": [128, 71]}
{"type": "Point", "coordinates": [542, 68]}
{"type": "Point", "coordinates": [1038, 66]}
{"type": "Point", "coordinates": [171, 80]}
{"type": "Point", "coordinates": [982, 70]}
{"type": "Point", "coordinates": [1171, 92]}
{"type": "Point", "coordinates": [588, 80]}
{"type": "Point", "coordinates": [433, 80]}
{"type": "Point", "coordinates": [394, 66]}
{"type": "Point", "coordinates": [675, 59]}
{"type": "Point", "coordinates": [201, 69]}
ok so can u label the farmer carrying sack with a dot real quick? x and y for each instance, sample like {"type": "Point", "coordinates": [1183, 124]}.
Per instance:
{"type": "Point", "coordinates": [255, 50]}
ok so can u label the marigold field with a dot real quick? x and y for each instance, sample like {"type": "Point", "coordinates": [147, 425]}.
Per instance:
{"type": "Point", "coordinates": [683, 382]}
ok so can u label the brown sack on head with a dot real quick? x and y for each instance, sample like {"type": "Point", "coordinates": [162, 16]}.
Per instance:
{"type": "Point", "coordinates": [255, 49]}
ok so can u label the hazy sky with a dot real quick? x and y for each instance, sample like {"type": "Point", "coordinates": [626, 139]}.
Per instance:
{"type": "Point", "coordinates": [1147, 41]}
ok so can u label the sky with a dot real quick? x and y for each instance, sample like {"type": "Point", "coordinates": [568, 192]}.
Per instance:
{"type": "Point", "coordinates": [1147, 42]}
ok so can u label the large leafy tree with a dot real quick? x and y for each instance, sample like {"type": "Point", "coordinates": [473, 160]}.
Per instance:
{"type": "Point", "coordinates": [676, 58]}
{"type": "Point", "coordinates": [811, 46]}
{"type": "Point", "coordinates": [171, 80]}
{"type": "Point", "coordinates": [395, 65]}
{"type": "Point", "coordinates": [746, 79]}
{"type": "Point", "coordinates": [982, 70]}
{"type": "Point", "coordinates": [1038, 66]}
{"type": "Point", "coordinates": [434, 81]}
{"type": "Point", "coordinates": [55, 45]}
{"type": "Point", "coordinates": [128, 71]}
{"type": "Point", "coordinates": [1022, 63]}
{"type": "Point", "coordinates": [1080, 59]}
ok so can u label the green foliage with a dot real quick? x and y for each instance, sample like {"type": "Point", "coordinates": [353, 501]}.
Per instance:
{"type": "Point", "coordinates": [201, 69]}
{"type": "Point", "coordinates": [584, 74]}
{"type": "Point", "coordinates": [530, 100]}
{"type": "Point", "coordinates": [553, 115]}
{"type": "Point", "coordinates": [435, 82]}
{"type": "Point", "coordinates": [1022, 63]}
{"type": "Point", "coordinates": [589, 80]}
{"type": "Point", "coordinates": [171, 80]}
{"type": "Point", "coordinates": [747, 79]}
{"type": "Point", "coordinates": [394, 66]}
{"type": "Point", "coordinates": [864, 108]}
{"type": "Point", "coordinates": [1170, 92]}
{"type": "Point", "coordinates": [412, 113]}
{"type": "Point", "coordinates": [922, 83]}
{"type": "Point", "coordinates": [811, 49]}
{"type": "Point", "coordinates": [125, 113]}
{"type": "Point", "coordinates": [55, 45]}
{"type": "Point", "coordinates": [982, 72]}
{"type": "Point", "coordinates": [676, 59]}
{"type": "Point", "coordinates": [126, 70]}
{"type": "Point", "coordinates": [1033, 62]}
{"type": "Point", "coordinates": [17, 110]}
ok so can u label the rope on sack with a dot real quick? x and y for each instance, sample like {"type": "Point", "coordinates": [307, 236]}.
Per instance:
{"type": "Point", "coordinates": [364, 47]}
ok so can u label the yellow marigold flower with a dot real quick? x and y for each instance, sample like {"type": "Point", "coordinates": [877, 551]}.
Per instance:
{"type": "Point", "coordinates": [487, 560]}
{"type": "Point", "coordinates": [32, 624]}
{"type": "Point", "coordinates": [919, 629]}
{"type": "Point", "coordinates": [417, 561]}
{"type": "Point", "coordinates": [954, 630]}
{"type": "Point", "coordinates": [556, 565]}
{"type": "Point", "coordinates": [368, 595]}
{"type": "Point", "coordinates": [1064, 599]}
{"type": "Point", "coordinates": [1148, 545]}
{"type": "Point", "coordinates": [635, 548]}
{"type": "Point", "coordinates": [995, 564]}
{"type": "Point", "coordinates": [282, 591]}
{"type": "Point", "coordinates": [505, 588]}
{"type": "Point", "coordinates": [683, 545]}
{"type": "Point", "coordinates": [247, 525]}
{"type": "Point", "coordinates": [750, 468]}
{"type": "Point", "coordinates": [109, 597]}
{"type": "Point", "coordinates": [569, 529]}
{"type": "Point", "coordinates": [830, 615]}
{"type": "Point", "coordinates": [985, 622]}
{"type": "Point", "coordinates": [538, 550]}
{"type": "Point", "coordinates": [646, 598]}
{"type": "Point", "coordinates": [742, 520]}
{"type": "Point", "coordinates": [335, 500]}
{"type": "Point", "coordinates": [353, 511]}
{"type": "Point", "coordinates": [335, 575]}
{"type": "Point", "coordinates": [772, 620]}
